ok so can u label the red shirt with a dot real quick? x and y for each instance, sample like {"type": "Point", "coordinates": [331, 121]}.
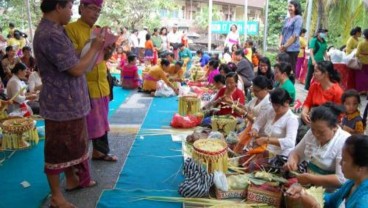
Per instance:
{"type": "Point", "coordinates": [318, 96]}
{"type": "Point", "coordinates": [237, 95]}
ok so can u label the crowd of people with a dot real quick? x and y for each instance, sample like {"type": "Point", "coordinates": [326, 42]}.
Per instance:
{"type": "Point", "coordinates": [73, 100]}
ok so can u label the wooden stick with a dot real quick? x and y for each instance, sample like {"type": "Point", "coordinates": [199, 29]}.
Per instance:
{"type": "Point", "coordinates": [246, 162]}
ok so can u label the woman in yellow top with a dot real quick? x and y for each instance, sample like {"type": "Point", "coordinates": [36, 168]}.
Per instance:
{"type": "Point", "coordinates": [155, 74]}
{"type": "Point", "coordinates": [353, 40]}
{"type": "Point", "coordinates": [301, 56]}
{"type": "Point", "coordinates": [361, 76]}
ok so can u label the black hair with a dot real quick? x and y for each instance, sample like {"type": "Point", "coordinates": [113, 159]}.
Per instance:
{"type": "Point", "coordinates": [213, 62]}
{"type": "Point", "coordinates": [148, 36]}
{"type": "Point", "coordinates": [199, 52]}
{"type": "Point", "coordinates": [280, 96]}
{"type": "Point", "coordinates": [327, 67]}
{"type": "Point", "coordinates": [11, 25]}
{"type": "Point", "coordinates": [180, 63]}
{"type": "Point", "coordinates": [267, 61]}
{"type": "Point", "coordinates": [131, 57]}
{"type": "Point", "coordinates": [284, 67]}
{"type": "Point", "coordinates": [232, 66]}
{"type": "Point", "coordinates": [165, 62]}
{"type": "Point", "coordinates": [355, 30]}
{"type": "Point", "coordinates": [170, 54]}
{"type": "Point", "coordinates": [155, 29]}
{"type": "Point", "coordinates": [50, 5]}
{"type": "Point", "coordinates": [356, 146]}
{"type": "Point", "coordinates": [225, 68]}
{"type": "Point", "coordinates": [180, 45]}
{"type": "Point", "coordinates": [283, 57]}
{"type": "Point", "coordinates": [227, 50]}
{"type": "Point", "coordinates": [328, 112]}
{"type": "Point", "coordinates": [18, 67]}
{"type": "Point", "coordinates": [239, 52]}
{"type": "Point", "coordinates": [162, 29]}
{"type": "Point", "coordinates": [250, 42]}
{"type": "Point", "coordinates": [342, 48]}
{"type": "Point", "coordinates": [365, 33]}
{"type": "Point", "coordinates": [262, 82]}
{"type": "Point", "coordinates": [232, 75]}
{"type": "Point", "coordinates": [219, 79]}
{"type": "Point", "coordinates": [298, 7]}
{"type": "Point", "coordinates": [350, 93]}
{"type": "Point", "coordinates": [303, 30]}
{"type": "Point", "coordinates": [237, 47]}
{"type": "Point", "coordinates": [26, 48]}
{"type": "Point", "coordinates": [236, 27]}
{"type": "Point", "coordinates": [9, 48]}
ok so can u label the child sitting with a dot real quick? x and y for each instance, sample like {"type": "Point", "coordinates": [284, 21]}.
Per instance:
{"type": "Point", "coordinates": [352, 122]}
{"type": "Point", "coordinates": [129, 74]}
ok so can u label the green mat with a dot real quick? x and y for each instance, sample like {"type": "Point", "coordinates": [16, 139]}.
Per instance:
{"type": "Point", "coordinates": [153, 167]}
{"type": "Point", "coordinates": [27, 165]}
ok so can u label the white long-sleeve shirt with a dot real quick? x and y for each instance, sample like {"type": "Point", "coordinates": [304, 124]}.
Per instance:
{"type": "Point", "coordinates": [285, 129]}
{"type": "Point", "coordinates": [326, 157]}
{"type": "Point", "coordinates": [13, 87]}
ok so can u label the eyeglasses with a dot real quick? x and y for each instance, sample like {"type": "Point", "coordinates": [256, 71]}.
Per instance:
{"type": "Point", "coordinates": [94, 9]}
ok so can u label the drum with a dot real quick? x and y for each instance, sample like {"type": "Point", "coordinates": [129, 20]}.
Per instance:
{"type": "Point", "coordinates": [19, 133]}
{"type": "Point", "coordinates": [212, 153]}
{"type": "Point", "coordinates": [189, 105]}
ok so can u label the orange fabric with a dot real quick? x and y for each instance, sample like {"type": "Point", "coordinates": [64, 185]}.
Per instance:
{"type": "Point", "coordinates": [244, 139]}
{"type": "Point", "coordinates": [258, 150]}
{"type": "Point", "coordinates": [148, 44]}
{"type": "Point", "coordinates": [317, 96]}
{"type": "Point", "coordinates": [255, 60]}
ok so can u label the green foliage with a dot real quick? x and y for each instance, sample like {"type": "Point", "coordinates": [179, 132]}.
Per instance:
{"type": "Point", "coordinates": [201, 18]}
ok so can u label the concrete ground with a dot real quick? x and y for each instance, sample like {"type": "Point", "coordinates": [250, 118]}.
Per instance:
{"type": "Point", "coordinates": [124, 125]}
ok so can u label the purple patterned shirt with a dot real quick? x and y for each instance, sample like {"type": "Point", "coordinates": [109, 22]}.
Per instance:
{"type": "Point", "coordinates": [63, 97]}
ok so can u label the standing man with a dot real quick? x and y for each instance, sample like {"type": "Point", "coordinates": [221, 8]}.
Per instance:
{"type": "Point", "coordinates": [174, 39]}
{"type": "Point", "coordinates": [134, 42]}
{"type": "Point", "coordinates": [97, 120]}
{"type": "Point", "coordinates": [64, 100]}
{"type": "Point", "coordinates": [142, 43]}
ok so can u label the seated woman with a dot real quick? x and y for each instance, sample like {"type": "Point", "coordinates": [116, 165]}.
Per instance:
{"type": "Point", "coordinates": [8, 62]}
{"type": "Point", "coordinates": [228, 96]}
{"type": "Point", "coordinates": [155, 74]}
{"type": "Point", "coordinates": [219, 83]}
{"type": "Point", "coordinates": [129, 73]}
{"type": "Point", "coordinates": [264, 68]}
{"type": "Point", "coordinates": [16, 85]}
{"type": "Point", "coordinates": [176, 73]}
{"type": "Point", "coordinates": [282, 77]}
{"type": "Point", "coordinates": [321, 148]}
{"type": "Point", "coordinates": [280, 125]}
{"type": "Point", "coordinates": [27, 59]}
{"type": "Point", "coordinates": [326, 88]}
{"type": "Point", "coordinates": [353, 193]}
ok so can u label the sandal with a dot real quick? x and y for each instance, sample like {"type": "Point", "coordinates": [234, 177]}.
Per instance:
{"type": "Point", "coordinates": [108, 158]}
{"type": "Point", "coordinates": [90, 185]}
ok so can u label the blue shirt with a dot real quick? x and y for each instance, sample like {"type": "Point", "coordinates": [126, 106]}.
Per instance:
{"type": "Point", "coordinates": [357, 199]}
{"type": "Point", "coordinates": [292, 27]}
{"type": "Point", "coordinates": [204, 60]}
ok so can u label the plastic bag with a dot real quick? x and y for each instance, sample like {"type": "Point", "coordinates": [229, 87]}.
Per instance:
{"type": "Point", "coordinates": [216, 135]}
{"type": "Point", "coordinates": [232, 138]}
{"type": "Point", "coordinates": [336, 55]}
{"type": "Point", "coordinates": [220, 181]}
{"type": "Point", "coordinates": [162, 90]}
{"type": "Point", "coordinates": [189, 121]}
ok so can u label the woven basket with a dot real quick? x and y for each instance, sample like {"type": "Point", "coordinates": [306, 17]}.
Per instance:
{"type": "Point", "coordinates": [213, 159]}
{"type": "Point", "coordinates": [17, 125]}
{"type": "Point", "coordinates": [189, 105]}
{"type": "Point", "coordinates": [223, 124]}
{"type": "Point", "coordinates": [263, 194]}
{"type": "Point", "coordinates": [231, 194]}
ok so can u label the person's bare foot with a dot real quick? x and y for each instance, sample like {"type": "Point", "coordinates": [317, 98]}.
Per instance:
{"type": "Point", "coordinates": [60, 202]}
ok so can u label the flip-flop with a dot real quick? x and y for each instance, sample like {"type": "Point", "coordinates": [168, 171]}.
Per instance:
{"type": "Point", "coordinates": [81, 187]}
{"type": "Point", "coordinates": [107, 158]}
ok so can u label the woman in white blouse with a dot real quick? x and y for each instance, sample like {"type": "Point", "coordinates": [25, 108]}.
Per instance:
{"type": "Point", "coordinates": [16, 85]}
{"type": "Point", "coordinates": [321, 147]}
{"type": "Point", "coordinates": [279, 123]}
